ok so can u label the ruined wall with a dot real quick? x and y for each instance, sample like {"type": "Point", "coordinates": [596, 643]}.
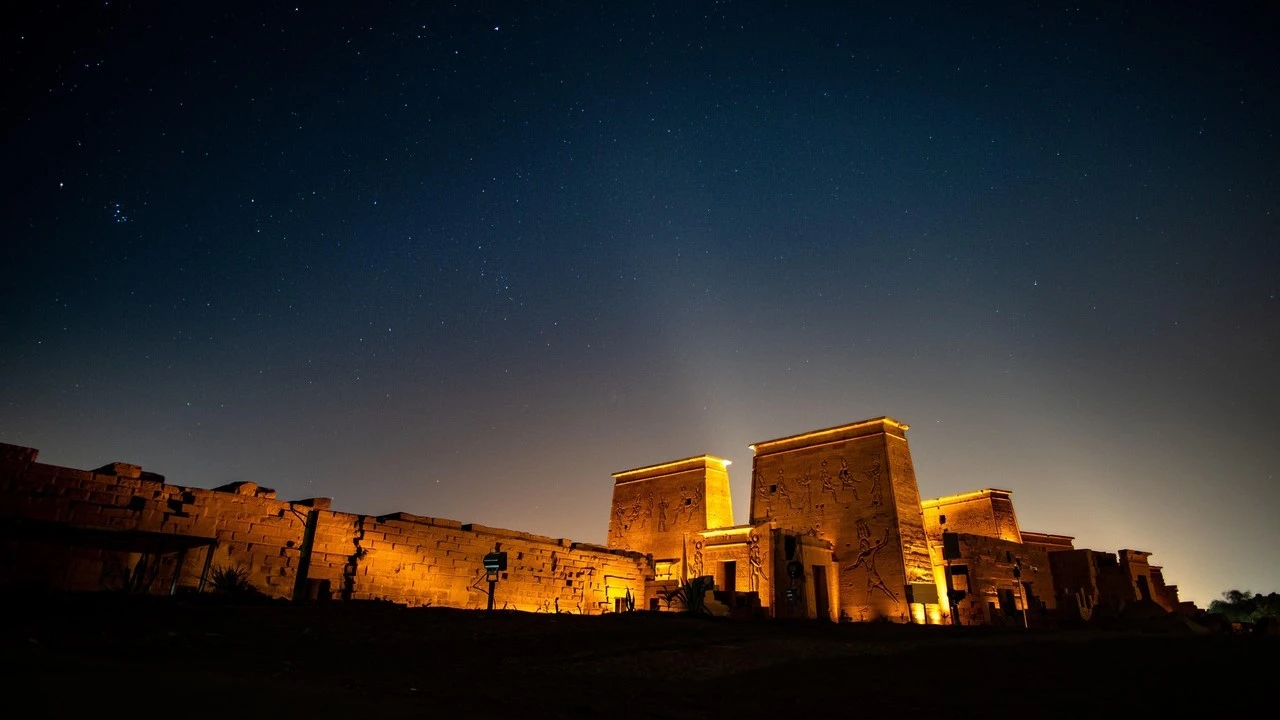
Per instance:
{"type": "Point", "coordinates": [657, 508]}
{"type": "Point", "coordinates": [1138, 572]}
{"type": "Point", "coordinates": [853, 486]}
{"type": "Point", "coordinates": [986, 512]}
{"type": "Point", "coordinates": [1093, 581]}
{"type": "Point", "coordinates": [400, 557]}
{"type": "Point", "coordinates": [1075, 581]}
{"type": "Point", "coordinates": [993, 594]}
{"type": "Point", "coordinates": [1166, 595]}
{"type": "Point", "coordinates": [429, 561]}
{"type": "Point", "coordinates": [254, 531]}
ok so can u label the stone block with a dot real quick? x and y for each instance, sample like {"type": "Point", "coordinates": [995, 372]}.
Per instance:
{"type": "Point", "coordinates": [238, 488]}
{"type": "Point", "coordinates": [121, 469]}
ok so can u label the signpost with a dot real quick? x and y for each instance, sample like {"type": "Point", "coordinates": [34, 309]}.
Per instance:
{"type": "Point", "coordinates": [494, 563]}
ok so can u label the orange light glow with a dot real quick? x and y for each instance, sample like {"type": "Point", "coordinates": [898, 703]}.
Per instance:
{"type": "Point", "coordinates": [735, 530]}
{"type": "Point", "coordinates": [671, 467]}
{"type": "Point", "coordinates": [814, 434]}
{"type": "Point", "coordinates": [960, 497]}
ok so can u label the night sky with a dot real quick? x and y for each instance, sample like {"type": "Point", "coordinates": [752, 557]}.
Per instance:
{"type": "Point", "coordinates": [467, 261]}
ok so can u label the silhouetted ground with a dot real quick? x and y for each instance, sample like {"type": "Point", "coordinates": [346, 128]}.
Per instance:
{"type": "Point", "coordinates": [152, 657]}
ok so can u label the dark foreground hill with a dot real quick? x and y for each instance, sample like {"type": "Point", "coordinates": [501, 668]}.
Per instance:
{"type": "Point", "coordinates": [158, 657]}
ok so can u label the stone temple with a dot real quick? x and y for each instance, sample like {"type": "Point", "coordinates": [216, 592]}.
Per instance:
{"type": "Point", "coordinates": [837, 531]}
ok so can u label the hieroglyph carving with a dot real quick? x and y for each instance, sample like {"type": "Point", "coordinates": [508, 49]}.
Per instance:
{"type": "Point", "coordinates": [824, 478]}
{"type": "Point", "coordinates": [764, 498]}
{"type": "Point", "coordinates": [756, 561]}
{"type": "Point", "coordinates": [874, 476]}
{"type": "Point", "coordinates": [806, 490]}
{"type": "Point", "coordinates": [847, 480]}
{"type": "Point", "coordinates": [867, 551]}
{"type": "Point", "coordinates": [691, 503]}
{"type": "Point", "coordinates": [782, 489]}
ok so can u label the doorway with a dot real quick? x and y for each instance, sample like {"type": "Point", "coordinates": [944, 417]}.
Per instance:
{"type": "Point", "coordinates": [821, 602]}
{"type": "Point", "coordinates": [729, 576]}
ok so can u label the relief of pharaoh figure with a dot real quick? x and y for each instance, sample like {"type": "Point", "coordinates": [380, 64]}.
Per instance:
{"type": "Point", "coordinates": [874, 476]}
{"type": "Point", "coordinates": [828, 487]}
{"type": "Point", "coordinates": [847, 481]}
{"type": "Point", "coordinates": [694, 503]}
{"type": "Point", "coordinates": [867, 551]}
{"type": "Point", "coordinates": [806, 490]}
{"type": "Point", "coordinates": [634, 516]}
{"type": "Point", "coordinates": [756, 561]}
{"type": "Point", "coordinates": [782, 490]}
{"type": "Point", "coordinates": [764, 505]}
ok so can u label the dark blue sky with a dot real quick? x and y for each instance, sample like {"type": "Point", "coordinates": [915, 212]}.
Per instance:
{"type": "Point", "coordinates": [467, 262]}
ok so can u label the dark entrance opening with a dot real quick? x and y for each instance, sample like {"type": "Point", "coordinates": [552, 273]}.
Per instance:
{"type": "Point", "coordinates": [1008, 605]}
{"type": "Point", "coordinates": [821, 601]}
{"type": "Point", "coordinates": [729, 576]}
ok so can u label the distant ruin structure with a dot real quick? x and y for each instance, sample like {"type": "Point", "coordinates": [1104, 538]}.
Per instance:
{"type": "Point", "coordinates": [837, 531]}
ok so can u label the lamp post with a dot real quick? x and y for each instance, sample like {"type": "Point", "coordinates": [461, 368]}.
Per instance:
{"type": "Point", "coordinates": [1022, 593]}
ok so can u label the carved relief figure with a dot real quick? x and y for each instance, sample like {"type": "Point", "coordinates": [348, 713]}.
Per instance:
{"type": "Point", "coordinates": [621, 524]}
{"type": "Point", "coordinates": [806, 491]}
{"type": "Point", "coordinates": [648, 512]}
{"type": "Point", "coordinates": [874, 476]}
{"type": "Point", "coordinates": [695, 565]}
{"type": "Point", "coordinates": [782, 489]}
{"type": "Point", "coordinates": [764, 501]}
{"type": "Point", "coordinates": [847, 481]}
{"type": "Point", "coordinates": [828, 487]}
{"type": "Point", "coordinates": [693, 504]}
{"type": "Point", "coordinates": [662, 514]}
{"type": "Point", "coordinates": [756, 562]}
{"type": "Point", "coordinates": [867, 551]}
{"type": "Point", "coordinates": [634, 515]}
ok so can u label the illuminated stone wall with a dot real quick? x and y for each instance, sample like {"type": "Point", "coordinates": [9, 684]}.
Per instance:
{"type": "Point", "coordinates": [853, 486]}
{"type": "Point", "coordinates": [400, 557]}
{"type": "Point", "coordinates": [799, 596]}
{"type": "Point", "coordinates": [1050, 542]}
{"type": "Point", "coordinates": [993, 595]}
{"type": "Point", "coordinates": [1146, 580]}
{"type": "Point", "coordinates": [1095, 583]}
{"type": "Point", "coordinates": [990, 542]}
{"type": "Point", "coordinates": [986, 512]}
{"type": "Point", "coordinates": [656, 509]}
{"type": "Point", "coordinates": [746, 550]}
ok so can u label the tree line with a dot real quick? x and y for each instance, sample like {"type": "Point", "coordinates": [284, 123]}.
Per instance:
{"type": "Point", "coordinates": [1244, 606]}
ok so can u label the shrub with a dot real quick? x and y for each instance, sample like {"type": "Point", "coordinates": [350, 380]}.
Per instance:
{"type": "Point", "coordinates": [691, 595]}
{"type": "Point", "coordinates": [234, 581]}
